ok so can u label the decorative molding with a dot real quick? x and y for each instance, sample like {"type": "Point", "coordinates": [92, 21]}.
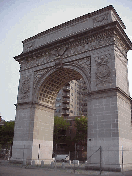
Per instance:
{"type": "Point", "coordinates": [25, 87]}
{"type": "Point", "coordinates": [57, 55]}
{"type": "Point", "coordinates": [113, 16]}
{"type": "Point", "coordinates": [85, 64]}
{"type": "Point", "coordinates": [120, 45]}
{"type": "Point", "coordinates": [76, 20]}
{"type": "Point", "coordinates": [103, 71]}
{"type": "Point", "coordinates": [47, 91]}
{"type": "Point", "coordinates": [44, 107]}
{"type": "Point", "coordinates": [100, 20]}
{"type": "Point", "coordinates": [108, 93]}
{"type": "Point", "coordinates": [29, 46]}
{"type": "Point", "coordinates": [37, 75]}
{"type": "Point", "coordinates": [59, 51]}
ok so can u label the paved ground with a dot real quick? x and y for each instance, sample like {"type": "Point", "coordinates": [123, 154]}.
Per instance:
{"type": "Point", "coordinates": [7, 169]}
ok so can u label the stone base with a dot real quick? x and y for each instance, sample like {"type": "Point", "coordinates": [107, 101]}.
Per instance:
{"type": "Point", "coordinates": [113, 168]}
{"type": "Point", "coordinates": [29, 162]}
{"type": "Point", "coordinates": [38, 162]}
{"type": "Point", "coordinates": [16, 161]}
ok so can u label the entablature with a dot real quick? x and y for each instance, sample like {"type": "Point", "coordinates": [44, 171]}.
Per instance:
{"type": "Point", "coordinates": [75, 45]}
{"type": "Point", "coordinates": [86, 22]}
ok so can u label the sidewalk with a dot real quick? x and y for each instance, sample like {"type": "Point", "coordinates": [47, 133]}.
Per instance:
{"type": "Point", "coordinates": [7, 169]}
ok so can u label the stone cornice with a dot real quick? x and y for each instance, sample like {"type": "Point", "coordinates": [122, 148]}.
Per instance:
{"type": "Point", "coordinates": [123, 36]}
{"type": "Point", "coordinates": [33, 104]}
{"type": "Point", "coordinates": [116, 89]}
{"type": "Point", "coordinates": [77, 20]}
{"type": "Point", "coordinates": [114, 26]}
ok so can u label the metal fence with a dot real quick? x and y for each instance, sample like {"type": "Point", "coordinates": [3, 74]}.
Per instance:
{"type": "Point", "coordinates": [5, 151]}
{"type": "Point", "coordinates": [110, 160]}
{"type": "Point", "coordinates": [95, 161]}
{"type": "Point", "coordinates": [5, 154]}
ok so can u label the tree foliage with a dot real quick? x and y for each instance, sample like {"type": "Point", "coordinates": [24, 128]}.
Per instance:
{"type": "Point", "coordinates": [60, 127]}
{"type": "Point", "coordinates": [7, 133]}
{"type": "Point", "coordinates": [81, 130]}
{"type": "Point", "coordinates": [60, 123]}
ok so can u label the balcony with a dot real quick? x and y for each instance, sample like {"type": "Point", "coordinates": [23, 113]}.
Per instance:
{"type": "Point", "coordinates": [65, 106]}
{"type": "Point", "coordinates": [66, 95]}
{"type": "Point", "coordinates": [84, 110]}
{"type": "Point", "coordinates": [66, 88]}
{"type": "Point", "coordinates": [66, 100]}
{"type": "Point", "coordinates": [65, 113]}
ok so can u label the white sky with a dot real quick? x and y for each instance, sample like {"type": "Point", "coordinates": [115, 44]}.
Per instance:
{"type": "Point", "coordinates": [21, 19]}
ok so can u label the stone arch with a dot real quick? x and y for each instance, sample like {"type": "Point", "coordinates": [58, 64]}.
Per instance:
{"type": "Point", "coordinates": [93, 46]}
{"type": "Point", "coordinates": [50, 83]}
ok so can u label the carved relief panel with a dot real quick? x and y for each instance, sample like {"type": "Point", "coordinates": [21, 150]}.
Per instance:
{"type": "Point", "coordinates": [24, 87]}
{"type": "Point", "coordinates": [101, 19]}
{"type": "Point", "coordinates": [103, 70]}
{"type": "Point", "coordinates": [57, 55]}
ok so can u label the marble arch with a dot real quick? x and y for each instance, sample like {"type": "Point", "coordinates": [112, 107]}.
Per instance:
{"type": "Point", "coordinates": [56, 78]}
{"type": "Point", "coordinates": [94, 47]}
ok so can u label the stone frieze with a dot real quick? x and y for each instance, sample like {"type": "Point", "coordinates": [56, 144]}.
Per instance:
{"type": "Point", "coordinates": [59, 53]}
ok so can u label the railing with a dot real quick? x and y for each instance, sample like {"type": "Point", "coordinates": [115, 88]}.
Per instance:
{"type": "Point", "coordinates": [124, 156]}
{"type": "Point", "coordinates": [66, 95]}
{"type": "Point", "coordinates": [66, 88]}
{"type": "Point", "coordinates": [66, 106]}
{"type": "Point", "coordinates": [65, 113]}
{"type": "Point", "coordinates": [66, 100]}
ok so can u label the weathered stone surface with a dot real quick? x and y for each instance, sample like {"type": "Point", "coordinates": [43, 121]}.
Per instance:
{"type": "Point", "coordinates": [93, 47]}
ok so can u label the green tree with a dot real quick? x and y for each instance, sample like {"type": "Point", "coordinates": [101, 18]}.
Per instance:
{"type": "Point", "coordinates": [7, 133]}
{"type": "Point", "coordinates": [81, 130]}
{"type": "Point", "coordinates": [60, 127]}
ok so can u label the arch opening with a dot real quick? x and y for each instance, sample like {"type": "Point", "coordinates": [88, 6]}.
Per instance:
{"type": "Point", "coordinates": [47, 92]}
{"type": "Point", "coordinates": [53, 83]}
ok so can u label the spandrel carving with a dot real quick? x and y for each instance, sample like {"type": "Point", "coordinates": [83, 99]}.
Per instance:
{"type": "Point", "coordinates": [37, 75]}
{"type": "Point", "coordinates": [103, 71]}
{"type": "Point", "coordinates": [25, 87]}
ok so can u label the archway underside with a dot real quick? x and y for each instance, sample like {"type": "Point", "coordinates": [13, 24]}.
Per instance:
{"type": "Point", "coordinates": [53, 83]}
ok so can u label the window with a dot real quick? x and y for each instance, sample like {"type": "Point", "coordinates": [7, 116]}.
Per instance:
{"type": "Point", "coordinates": [58, 104]}
{"type": "Point", "coordinates": [71, 111]}
{"type": "Point", "coordinates": [57, 99]}
{"type": "Point", "coordinates": [71, 105]}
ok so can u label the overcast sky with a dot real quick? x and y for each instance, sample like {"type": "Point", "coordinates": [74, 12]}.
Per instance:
{"type": "Point", "coordinates": [21, 19]}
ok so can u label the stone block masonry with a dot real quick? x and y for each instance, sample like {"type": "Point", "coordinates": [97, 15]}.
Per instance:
{"type": "Point", "coordinates": [93, 47]}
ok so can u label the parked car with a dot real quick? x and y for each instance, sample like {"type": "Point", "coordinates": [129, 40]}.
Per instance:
{"type": "Point", "coordinates": [61, 158]}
